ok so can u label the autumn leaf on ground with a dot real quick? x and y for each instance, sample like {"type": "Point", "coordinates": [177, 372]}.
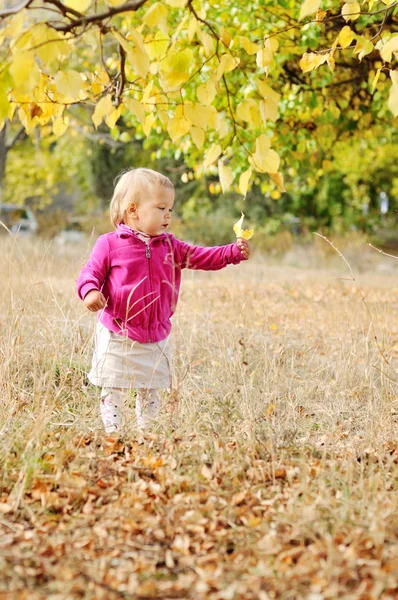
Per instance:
{"type": "Point", "coordinates": [245, 234]}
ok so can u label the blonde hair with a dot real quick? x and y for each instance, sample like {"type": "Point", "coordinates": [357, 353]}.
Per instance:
{"type": "Point", "coordinates": [134, 185]}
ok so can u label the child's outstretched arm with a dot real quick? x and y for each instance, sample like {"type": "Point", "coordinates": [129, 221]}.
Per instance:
{"type": "Point", "coordinates": [211, 258]}
{"type": "Point", "coordinates": [92, 276]}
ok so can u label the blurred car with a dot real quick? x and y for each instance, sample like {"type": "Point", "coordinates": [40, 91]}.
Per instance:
{"type": "Point", "coordinates": [20, 220]}
{"type": "Point", "coordinates": [72, 234]}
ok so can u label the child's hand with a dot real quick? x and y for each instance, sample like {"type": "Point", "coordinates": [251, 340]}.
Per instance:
{"type": "Point", "coordinates": [244, 247]}
{"type": "Point", "coordinates": [94, 300]}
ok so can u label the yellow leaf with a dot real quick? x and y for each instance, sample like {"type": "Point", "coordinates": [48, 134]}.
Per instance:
{"type": "Point", "coordinates": [24, 71]}
{"type": "Point", "coordinates": [309, 7]}
{"type": "Point", "coordinates": [278, 179]}
{"type": "Point", "coordinates": [207, 41]}
{"type": "Point", "coordinates": [264, 57]}
{"type": "Point", "coordinates": [102, 109]}
{"type": "Point", "coordinates": [14, 25]}
{"type": "Point", "coordinates": [363, 47]}
{"type": "Point", "coordinates": [268, 110]}
{"type": "Point", "coordinates": [393, 100]}
{"type": "Point", "coordinates": [245, 234]}
{"type": "Point", "coordinates": [244, 181]}
{"type": "Point", "coordinates": [135, 107]}
{"type": "Point", "coordinates": [197, 114]}
{"type": "Point", "coordinates": [225, 36]}
{"type": "Point", "coordinates": [148, 124]}
{"type": "Point", "coordinates": [177, 127]}
{"type": "Point", "coordinates": [394, 76]}
{"type": "Point", "coordinates": [174, 70]}
{"type": "Point", "coordinates": [136, 54]}
{"type": "Point", "coordinates": [263, 145]}
{"type": "Point", "coordinates": [227, 63]}
{"type": "Point", "coordinates": [198, 136]}
{"type": "Point", "coordinates": [266, 91]}
{"type": "Point", "coordinates": [176, 3]}
{"type": "Point", "coordinates": [351, 11]}
{"type": "Point", "coordinates": [388, 48]}
{"type": "Point", "coordinates": [376, 79]}
{"type": "Point", "coordinates": [156, 15]}
{"type": "Point", "coordinates": [69, 84]}
{"type": "Point", "coordinates": [79, 5]}
{"type": "Point", "coordinates": [265, 160]}
{"type": "Point", "coordinates": [206, 92]}
{"type": "Point", "coordinates": [212, 154]}
{"type": "Point", "coordinates": [60, 126]}
{"type": "Point", "coordinates": [156, 46]}
{"type": "Point", "coordinates": [248, 111]}
{"type": "Point", "coordinates": [49, 46]}
{"type": "Point", "coordinates": [250, 47]}
{"type": "Point", "coordinates": [226, 176]}
{"type": "Point", "coordinates": [346, 36]}
{"type": "Point", "coordinates": [310, 61]}
{"type": "Point", "coordinates": [112, 118]}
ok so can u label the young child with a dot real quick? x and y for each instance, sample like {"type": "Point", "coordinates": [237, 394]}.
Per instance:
{"type": "Point", "coordinates": [133, 278]}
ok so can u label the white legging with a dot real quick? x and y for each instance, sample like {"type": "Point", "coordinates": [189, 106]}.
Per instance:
{"type": "Point", "coordinates": [146, 407]}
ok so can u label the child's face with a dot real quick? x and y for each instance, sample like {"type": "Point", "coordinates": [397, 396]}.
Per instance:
{"type": "Point", "coordinates": [152, 215]}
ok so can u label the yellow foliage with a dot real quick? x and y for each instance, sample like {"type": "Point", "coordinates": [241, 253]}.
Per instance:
{"type": "Point", "coordinates": [245, 234]}
{"type": "Point", "coordinates": [177, 127]}
{"type": "Point", "coordinates": [206, 92]}
{"type": "Point", "coordinates": [244, 181]}
{"type": "Point", "coordinates": [211, 156]}
{"type": "Point", "coordinates": [393, 99]}
{"type": "Point", "coordinates": [351, 11]}
{"type": "Point", "coordinates": [309, 7]}
{"type": "Point", "coordinates": [24, 71]}
{"type": "Point", "coordinates": [198, 136]}
{"type": "Point", "coordinates": [311, 61]}
{"type": "Point", "coordinates": [249, 46]}
{"type": "Point", "coordinates": [69, 84]}
{"type": "Point", "coordinates": [227, 63]}
{"type": "Point", "coordinates": [249, 111]}
{"type": "Point", "coordinates": [346, 36]}
{"type": "Point", "coordinates": [198, 114]}
{"type": "Point", "coordinates": [103, 108]}
{"type": "Point", "coordinates": [174, 69]}
{"type": "Point", "coordinates": [388, 48]}
{"type": "Point", "coordinates": [226, 176]}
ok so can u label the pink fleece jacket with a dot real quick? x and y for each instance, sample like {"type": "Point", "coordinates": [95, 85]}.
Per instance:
{"type": "Point", "coordinates": [141, 283]}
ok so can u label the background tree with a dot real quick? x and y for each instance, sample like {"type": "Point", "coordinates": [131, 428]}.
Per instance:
{"type": "Point", "coordinates": [268, 89]}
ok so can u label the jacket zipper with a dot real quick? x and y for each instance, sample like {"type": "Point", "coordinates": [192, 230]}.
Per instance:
{"type": "Point", "coordinates": [148, 255]}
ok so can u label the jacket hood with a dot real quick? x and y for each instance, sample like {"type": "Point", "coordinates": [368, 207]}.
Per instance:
{"type": "Point", "coordinates": [123, 231]}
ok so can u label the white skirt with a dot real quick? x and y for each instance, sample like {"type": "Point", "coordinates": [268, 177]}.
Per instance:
{"type": "Point", "coordinates": [121, 362]}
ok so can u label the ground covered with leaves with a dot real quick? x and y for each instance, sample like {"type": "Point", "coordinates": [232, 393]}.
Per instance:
{"type": "Point", "coordinates": [272, 473]}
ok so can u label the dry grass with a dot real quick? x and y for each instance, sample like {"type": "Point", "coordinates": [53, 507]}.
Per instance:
{"type": "Point", "coordinates": [273, 473]}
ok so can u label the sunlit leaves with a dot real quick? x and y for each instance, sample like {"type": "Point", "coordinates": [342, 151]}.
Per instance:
{"type": "Point", "coordinates": [211, 155]}
{"type": "Point", "coordinates": [309, 7]}
{"type": "Point", "coordinates": [226, 176]}
{"type": "Point", "coordinates": [245, 234]}
{"type": "Point", "coordinates": [175, 69]}
{"type": "Point", "coordinates": [69, 84]}
{"type": "Point", "coordinates": [346, 36]}
{"type": "Point", "coordinates": [351, 11]}
{"type": "Point", "coordinates": [102, 110]}
{"type": "Point", "coordinates": [389, 48]}
{"type": "Point", "coordinates": [244, 181]}
{"type": "Point", "coordinates": [311, 61]}
{"type": "Point", "coordinates": [206, 92]}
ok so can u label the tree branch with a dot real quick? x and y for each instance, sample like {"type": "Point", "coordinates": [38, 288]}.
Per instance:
{"type": "Point", "coordinates": [132, 5]}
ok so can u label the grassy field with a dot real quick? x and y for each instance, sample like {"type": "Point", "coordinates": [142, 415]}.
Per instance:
{"type": "Point", "coordinates": [273, 472]}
